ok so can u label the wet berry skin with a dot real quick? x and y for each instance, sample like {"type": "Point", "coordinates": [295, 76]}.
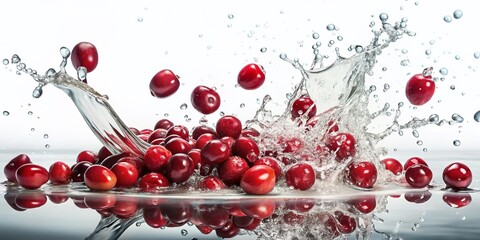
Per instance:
{"type": "Point", "coordinates": [31, 176]}
{"type": "Point", "coordinates": [153, 181]}
{"type": "Point", "coordinates": [211, 183]}
{"type": "Point", "coordinates": [13, 165]}
{"type": "Point", "coordinates": [205, 100]}
{"type": "Point", "coordinates": [412, 161]}
{"type": "Point", "coordinates": [164, 84]}
{"type": "Point", "coordinates": [127, 174]}
{"type": "Point", "coordinates": [179, 168]}
{"type": "Point", "coordinates": [258, 180]}
{"type": "Point", "coordinates": [232, 170]}
{"type": "Point", "coordinates": [229, 126]}
{"type": "Point", "coordinates": [418, 176]}
{"type": "Point", "coordinates": [420, 89]}
{"type": "Point", "coordinates": [361, 174]}
{"type": "Point", "coordinates": [302, 105]}
{"type": "Point", "coordinates": [100, 178]}
{"type": "Point", "coordinates": [84, 54]}
{"type": "Point", "coordinates": [250, 77]}
{"type": "Point", "coordinates": [343, 144]}
{"type": "Point", "coordinates": [60, 173]}
{"type": "Point", "coordinates": [300, 176]}
{"type": "Point", "coordinates": [215, 152]}
{"type": "Point", "coordinates": [457, 175]}
{"type": "Point", "coordinates": [392, 165]}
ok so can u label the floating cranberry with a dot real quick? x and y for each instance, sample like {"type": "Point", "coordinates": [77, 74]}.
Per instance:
{"type": "Point", "coordinates": [258, 180]}
{"type": "Point", "coordinates": [392, 165]}
{"type": "Point", "coordinates": [127, 174]}
{"type": "Point", "coordinates": [202, 129]}
{"type": "Point", "coordinates": [246, 148]}
{"type": "Point", "coordinates": [179, 130]}
{"type": "Point", "coordinates": [271, 162]}
{"type": "Point", "coordinates": [343, 144]}
{"type": "Point", "coordinates": [27, 200]}
{"type": "Point", "coordinates": [203, 139]}
{"type": "Point", "coordinates": [259, 208]}
{"type": "Point", "coordinates": [205, 100]}
{"type": "Point", "coordinates": [100, 178]}
{"type": "Point", "coordinates": [412, 161]}
{"type": "Point", "coordinates": [229, 126]}
{"type": "Point", "coordinates": [361, 174]}
{"type": "Point", "coordinates": [300, 176]}
{"type": "Point", "coordinates": [164, 84]}
{"type": "Point", "coordinates": [13, 165]}
{"type": "Point", "coordinates": [215, 152]}
{"type": "Point", "coordinates": [418, 176]}
{"type": "Point", "coordinates": [60, 173]}
{"type": "Point", "coordinates": [303, 104]}
{"type": "Point", "coordinates": [88, 156]}
{"type": "Point", "coordinates": [232, 170]}
{"type": "Point", "coordinates": [457, 175]}
{"type": "Point", "coordinates": [457, 199]}
{"type": "Point", "coordinates": [154, 217]}
{"type": "Point", "coordinates": [418, 197]}
{"type": "Point", "coordinates": [84, 54]}
{"type": "Point", "coordinates": [251, 76]}
{"type": "Point", "coordinates": [78, 171]}
{"type": "Point", "coordinates": [179, 168]}
{"type": "Point", "coordinates": [163, 124]}
{"type": "Point", "coordinates": [31, 176]}
{"type": "Point", "coordinates": [153, 181]}
{"type": "Point", "coordinates": [211, 183]}
{"type": "Point", "coordinates": [178, 145]}
{"type": "Point", "coordinates": [156, 157]}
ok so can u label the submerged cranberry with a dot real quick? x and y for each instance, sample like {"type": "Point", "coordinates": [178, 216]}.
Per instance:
{"type": "Point", "coordinates": [361, 174]}
{"type": "Point", "coordinates": [343, 144]}
{"type": "Point", "coordinates": [178, 212]}
{"type": "Point", "coordinates": [364, 204]}
{"type": "Point", "coordinates": [13, 165]}
{"type": "Point", "coordinates": [154, 217]}
{"type": "Point", "coordinates": [228, 230]}
{"type": "Point", "coordinates": [259, 208]}
{"type": "Point", "coordinates": [345, 223]}
{"type": "Point", "coordinates": [100, 201]}
{"type": "Point", "coordinates": [31, 176]}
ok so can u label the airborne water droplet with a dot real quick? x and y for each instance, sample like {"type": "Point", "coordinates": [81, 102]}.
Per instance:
{"type": "Point", "coordinates": [30, 113]}
{"type": "Point", "coordinates": [383, 17]}
{"type": "Point", "coordinates": [433, 118]}
{"type": "Point", "coordinates": [45, 136]}
{"type": "Point", "coordinates": [330, 27]}
{"type": "Point", "coordinates": [47, 145]}
{"type": "Point", "coordinates": [15, 59]}
{"type": "Point", "coordinates": [457, 14]}
{"type": "Point", "coordinates": [457, 118]}
{"type": "Point", "coordinates": [476, 55]}
{"type": "Point", "coordinates": [230, 16]}
{"type": "Point", "coordinates": [476, 116]}
{"type": "Point", "coordinates": [263, 49]}
{"type": "Point", "coordinates": [184, 232]}
{"type": "Point", "coordinates": [5, 61]}
{"type": "Point", "coordinates": [443, 71]}
{"type": "Point", "coordinates": [315, 35]}
{"type": "Point", "coordinates": [456, 143]}
{"type": "Point", "coordinates": [6, 113]}
{"type": "Point", "coordinates": [64, 52]}
{"type": "Point", "coordinates": [183, 106]}
{"type": "Point", "coordinates": [447, 19]}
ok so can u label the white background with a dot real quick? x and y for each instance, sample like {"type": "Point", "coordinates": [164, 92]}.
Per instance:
{"type": "Point", "coordinates": [200, 43]}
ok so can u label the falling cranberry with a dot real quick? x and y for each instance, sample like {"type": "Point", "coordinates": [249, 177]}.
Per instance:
{"type": "Point", "coordinates": [100, 178]}
{"type": "Point", "coordinates": [85, 54]}
{"type": "Point", "coordinates": [343, 144]}
{"type": "Point", "coordinates": [300, 176]}
{"type": "Point", "coordinates": [164, 84]}
{"type": "Point", "coordinates": [232, 170]}
{"type": "Point", "coordinates": [229, 126]}
{"type": "Point", "coordinates": [246, 148]}
{"type": "Point", "coordinates": [205, 100]}
{"type": "Point", "coordinates": [418, 176]}
{"type": "Point", "coordinates": [361, 174]}
{"type": "Point", "coordinates": [258, 180]}
{"type": "Point", "coordinates": [392, 165]}
{"type": "Point", "coordinates": [152, 182]}
{"type": "Point", "coordinates": [60, 173]}
{"type": "Point", "coordinates": [250, 77]}
{"type": "Point", "coordinates": [412, 161]}
{"type": "Point", "coordinates": [127, 174]}
{"type": "Point", "coordinates": [301, 105]}
{"type": "Point", "coordinates": [457, 175]}
{"type": "Point", "coordinates": [215, 152]}
{"type": "Point", "coordinates": [13, 165]}
{"type": "Point", "coordinates": [179, 168]}
{"type": "Point", "coordinates": [420, 89]}
{"type": "Point", "coordinates": [31, 176]}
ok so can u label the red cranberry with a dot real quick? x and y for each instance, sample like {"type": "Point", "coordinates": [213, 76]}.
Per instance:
{"type": "Point", "coordinates": [457, 175]}
{"type": "Point", "coordinates": [163, 124]}
{"type": "Point", "coordinates": [418, 176]}
{"type": "Point", "coordinates": [10, 199]}
{"type": "Point", "coordinates": [233, 208]}
{"type": "Point", "coordinates": [146, 132]}
{"type": "Point", "coordinates": [232, 170]}
{"type": "Point", "coordinates": [127, 174]}
{"type": "Point", "coordinates": [205, 100]}
{"type": "Point", "coordinates": [100, 178]}
{"type": "Point", "coordinates": [215, 152]}
{"type": "Point", "coordinates": [211, 183]}
{"type": "Point", "coordinates": [345, 223]}
{"type": "Point", "coordinates": [125, 208]}
{"type": "Point", "coordinates": [229, 230]}
{"type": "Point", "coordinates": [180, 130]}
{"type": "Point", "coordinates": [78, 171]}
{"type": "Point", "coordinates": [392, 165]}
{"type": "Point", "coordinates": [204, 139]}
{"type": "Point", "coordinates": [100, 201]}
{"type": "Point", "coordinates": [246, 148]}
{"type": "Point", "coordinates": [251, 76]}
{"type": "Point", "coordinates": [178, 145]}
{"type": "Point", "coordinates": [260, 208]}
{"type": "Point", "coordinates": [364, 204]}
{"type": "Point", "coordinates": [31, 176]}
{"type": "Point", "coordinates": [13, 165]}
{"type": "Point", "coordinates": [156, 157]}
{"type": "Point", "coordinates": [300, 205]}
{"type": "Point", "coordinates": [243, 221]}
{"type": "Point", "coordinates": [135, 161]}
{"type": "Point", "coordinates": [58, 198]}
{"type": "Point", "coordinates": [60, 173]}
{"type": "Point", "coordinates": [418, 197]}
{"type": "Point", "coordinates": [164, 84]}
{"type": "Point", "coordinates": [88, 156]}
{"type": "Point", "coordinates": [152, 182]}
{"type": "Point", "coordinates": [343, 144]}
{"type": "Point", "coordinates": [179, 168]}
{"type": "Point", "coordinates": [112, 159]}
{"type": "Point", "coordinates": [103, 153]}
{"type": "Point", "coordinates": [26, 200]}
{"type": "Point", "coordinates": [204, 229]}
{"type": "Point", "coordinates": [302, 105]}
{"type": "Point", "coordinates": [84, 54]}
{"type": "Point", "coordinates": [457, 199]}
{"type": "Point", "coordinates": [229, 126]}
{"type": "Point", "coordinates": [300, 176]}
{"type": "Point", "coordinates": [156, 134]}
{"type": "Point", "coordinates": [250, 132]}
{"type": "Point", "coordinates": [202, 129]}
{"type": "Point", "coordinates": [178, 212]}
{"type": "Point", "coordinates": [134, 130]}
{"type": "Point", "coordinates": [258, 180]}
{"type": "Point", "coordinates": [228, 140]}
{"type": "Point", "coordinates": [292, 218]}
{"type": "Point", "coordinates": [256, 222]}
{"type": "Point", "coordinates": [169, 138]}
{"type": "Point", "coordinates": [154, 217]}
{"type": "Point", "coordinates": [361, 174]}
{"type": "Point", "coordinates": [271, 162]}
{"type": "Point", "coordinates": [412, 161]}
{"type": "Point", "coordinates": [212, 216]}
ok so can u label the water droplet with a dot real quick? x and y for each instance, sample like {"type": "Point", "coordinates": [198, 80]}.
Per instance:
{"type": "Point", "coordinates": [404, 51]}
{"type": "Point", "coordinates": [29, 112]}
{"type": "Point", "coordinates": [184, 232]}
{"type": "Point", "coordinates": [183, 106]}
{"type": "Point", "coordinates": [6, 113]}
{"type": "Point", "coordinates": [476, 55]}
{"type": "Point", "coordinates": [415, 133]}
{"type": "Point", "coordinates": [230, 16]}
{"type": "Point", "coordinates": [5, 61]}
{"type": "Point", "coordinates": [452, 87]}
{"type": "Point", "coordinates": [428, 52]}
{"type": "Point", "coordinates": [456, 143]}
{"type": "Point", "coordinates": [457, 57]}
{"type": "Point", "coordinates": [330, 27]}
{"type": "Point", "coordinates": [50, 73]}
{"type": "Point", "coordinates": [140, 19]}
{"type": "Point", "coordinates": [64, 52]}
{"type": "Point", "coordinates": [263, 49]}
{"type": "Point", "coordinates": [383, 17]}
{"type": "Point", "coordinates": [457, 118]}
{"type": "Point", "coordinates": [463, 218]}
{"type": "Point", "coordinates": [405, 62]}
{"type": "Point", "coordinates": [242, 105]}
{"type": "Point", "coordinates": [15, 59]}
{"type": "Point", "coordinates": [138, 224]}
{"type": "Point", "coordinates": [82, 73]}
{"type": "Point", "coordinates": [47, 145]}
{"type": "Point", "coordinates": [315, 35]}
{"type": "Point", "coordinates": [187, 118]}
{"type": "Point", "coordinates": [419, 142]}
{"type": "Point", "coordinates": [457, 14]}
{"type": "Point", "coordinates": [433, 118]}
{"type": "Point", "coordinates": [443, 71]}
{"type": "Point", "coordinates": [32, 129]}
{"type": "Point", "coordinates": [283, 56]}
{"type": "Point", "coordinates": [447, 19]}
{"type": "Point", "coordinates": [45, 136]}
{"type": "Point", "coordinates": [476, 116]}
{"type": "Point", "coordinates": [358, 49]}
{"type": "Point", "coordinates": [166, 115]}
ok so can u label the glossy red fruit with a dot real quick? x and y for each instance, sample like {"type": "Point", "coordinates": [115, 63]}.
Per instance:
{"type": "Point", "coordinates": [258, 208]}
{"type": "Point", "coordinates": [58, 198]}
{"type": "Point", "coordinates": [154, 217]}
{"type": "Point", "coordinates": [412, 161]}
{"type": "Point", "coordinates": [271, 162]}
{"type": "Point", "coordinates": [243, 221]}
{"type": "Point", "coordinates": [103, 153]}
{"type": "Point", "coordinates": [211, 183]}
{"type": "Point", "coordinates": [229, 230]}
{"type": "Point", "coordinates": [418, 176]}
{"type": "Point", "coordinates": [203, 139]}
{"type": "Point", "coordinates": [204, 229]}
{"type": "Point", "coordinates": [232, 170]}
{"type": "Point", "coordinates": [293, 218]}
{"type": "Point", "coordinates": [60, 173]}
{"type": "Point", "coordinates": [135, 161]}
{"type": "Point", "coordinates": [179, 130]}
{"type": "Point", "coordinates": [88, 156]}
{"type": "Point", "coordinates": [78, 171]}
{"type": "Point", "coordinates": [229, 126]}
{"type": "Point", "coordinates": [202, 129]}
{"type": "Point", "coordinates": [151, 182]}
{"type": "Point", "coordinates": [291, 145]}
{"type": "Point", "coordinates": [26, 200]}
{"type": "Point", "coordinates": [100, 201]}
{"type": "Point", "coordinates": [252, 76]}
{"type": "Point", "coordinates": [345, 223]}
{"type": "Point", "coordinates": [418, 197]}
{"type": "Point", "coordinates": [300, 176]}
{"type": "Point", "coordinates": [364, 204]}
{"type": "Point", "coordinates": [31, 176]}
{"type": "Point", "coordinates": [246, 148]}
{"type": "Point", "coordinates": [84, 54]}
{"type": "Point", "coordinates": [392, 165]}
{"type": "Point", "coordinates": [127, 174]}
{"type": "Point", "coordinates": [205, 100]}
{"type": "Point", "coordinates": [343, 144]}
{"type": "Point", "coordinates": [100, 178]}
{"type": "Point", "coordinates": [419, 89]}
{"type": "Point", "coordinates": [164, 84]}
{"type": "Point", "coordinates": [457, 200]}
{"type": "Point", "coordinates": [112, 159]}
{"type": "Point", "coordinates": [163, 124]}
{"type": "Point", "coordinates": [156, 157]}
{"type": "Point", "coordinates": [250, 132]}
{"type": "Point", "coordinates": [300, 205]}
{"type": "Point", "coordinates": [178, 145]}
{"type": "Point", "coordinates": [457, 175]}
{"type": "Point", "coordinates": [258, 180]}
{"type": "Point", "coordinates": [134, 130]}
{"type": "Point", "coordinates": [361, 174]}
{"type": "Point", "coordinates": [179, 168]}
{"type": "Point", "coordinates": [156, 134]}
{"type": "Point", "coordinates": [301, 105]}
{"type": "Point", "coordinates": [178, 212]}
{"type": "Point", "coordinates": [215, 152]}
{"type": "Point", "coordinates": [228, 140]}
{"type": "Point", "coordinates": [13, 165]}
{"type": "Point", "coordinates": [125, 208]}
{"type": "Point", "coordinates": [256, 222]}
{"type": "Point", "coordinates": [212, 216]}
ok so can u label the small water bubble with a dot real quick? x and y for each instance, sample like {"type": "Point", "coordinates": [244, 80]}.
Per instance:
{"type": "Point", "coordinates": [138, 224]}
{"type": "Point", "coordinates": [263, 49]}
{"type": "Point", "coordinates": [405, 62]}
{"type": "Point", "coordinates": [433, 118]}
{"type": "Point", "coordinates": [476, 55]}
{"type": "Point", "coordinates": [415, 133]}
{"type": "Point", "coordinates": [383, 17]}
{"type": "Point", "coordinates": [166, 115]}
{"type": "Point", "coordinates": [5, 61]}
{"type": "Point", "coordinates": [47, 145]}
{"type": "Point", "coordinates": [443, 71]}
{"type": "Point", "coordinates": [428, 52]}
{"type": "Point", "coordinates": [425, 149]}
{"type": "Point", "coordinates": [187, 118]}
{"type": "Point", "coordinates": [315, 35]}
{"type": "Point", "coordinates": [230, 16]}
{"type": "Point", "coordinates": [45, 136]}
{"type": "Point", "coordinates": [203, 121]}
{"type": "Point", "coordinates": [183, 106]}
{"type": "Point", "coordinates": [457, 14]}
{"type": "Point", "coordinates": [447, 19]}
{"type": "Point", "coordinates": [419, 142]}
{"type": "Point", "coordinates": [330, 43]}
{"type": "Point", "coordinates": [6, 113]}
{"type": "Point", "coordinates": [372, 23]}
{"type": "Point", "coordinates": [283, 56]}
{"type": "Point", "coordinates": [452, 87]}
{"type": "Point", "coordinates": [30, 113]}
{"type": "Point", "coordinates": [15, 59]}
{"type": "Point", "coordinates": [457, 57]}
{"type": "Point", "coordinates": [64, 52]}
{"type": "Point", "coordinates": [404, 51]}
{"type": "Point", "coordinates": [463, 218]}
{"type": "Point", "coordinates": [242, 105]}
{"type": "Point", "coordinates": [32, 129]}
{"type": "Point", "coordinates": [358, 49]}
{"type": "Point", "coordinates": [476, 116]}
{"type": "Point", "coordinates": [184, 232]}
{"type": "Point", "coordinates": [330, 27]}
{"type": "Point", "coordinates": [456, 143]}
{"type": "Point", "coordinates": [457, 118]}
{"type": "Point", "coordinates": [386, 87]}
